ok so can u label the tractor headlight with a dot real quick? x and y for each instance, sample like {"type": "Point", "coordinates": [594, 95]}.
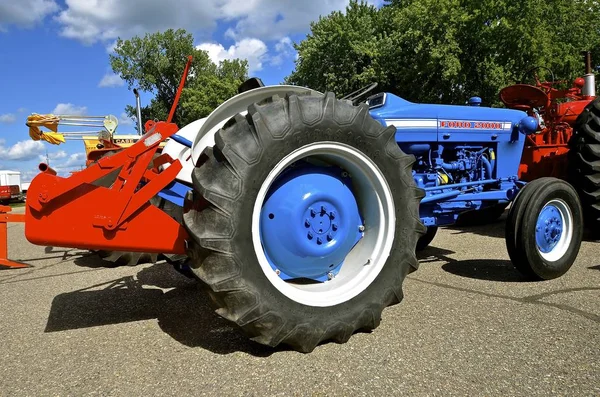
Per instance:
{"type": "Point", "coordinates": [528, 125]}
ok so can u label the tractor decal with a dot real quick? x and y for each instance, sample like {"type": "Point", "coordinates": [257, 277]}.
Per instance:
{"type": "Point", "coordinates": [488, 125]}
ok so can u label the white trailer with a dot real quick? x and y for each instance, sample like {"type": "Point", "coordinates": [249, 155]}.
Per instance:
{"type": "Point", "coordinates": [10, 178]}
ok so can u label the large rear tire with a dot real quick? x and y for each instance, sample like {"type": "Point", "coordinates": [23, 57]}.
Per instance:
{"type": "Point", "coordinates": [264, 243]}
{"type": "Point", "coordinates": [584, 162]}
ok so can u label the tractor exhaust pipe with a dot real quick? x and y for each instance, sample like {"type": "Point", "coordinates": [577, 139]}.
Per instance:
{"type": "Point", "coordinates": [45, 168]}
{"type": "Point", "coordinates": [589, 87]}
{"type": "Point", "coordinates": [138, 111]}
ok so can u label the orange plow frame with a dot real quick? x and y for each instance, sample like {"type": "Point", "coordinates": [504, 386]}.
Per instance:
{"type": "Point", "coordinates": [5, 218]}
{"type": "Point", "coordinates": [74, 212]}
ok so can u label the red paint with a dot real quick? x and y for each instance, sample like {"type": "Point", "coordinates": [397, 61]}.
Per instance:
{"type": "Point", "coordinates": [545, 152]}
{"type": "Point", "coordinates": [73, 212]}
{"type": "Point", "coordinates": [6, 217]}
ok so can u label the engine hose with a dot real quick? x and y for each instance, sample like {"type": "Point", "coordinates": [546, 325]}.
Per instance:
{"type": "Point", "coordinates": [455, 166]}
{"type": "Point", "coordinates": [492, 160]}
{"type": "Point", "coordinates": [487, 166]}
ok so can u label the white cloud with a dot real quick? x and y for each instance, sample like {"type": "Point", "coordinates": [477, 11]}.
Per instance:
{"type": "Point", "coordinates": [90, 21]}
{"type": "Point", "coordinates": [111, 80]}
{"type": "Point", "coordinates": [25, 13]}
{"type": "Point", "coordinates": [61, 154]}
{"type": "Point", "coordinates": [284, 49]}
{"type": "Point", "coordinates": [7, 118]}
{"type": "Point", "coordinates": [23, 150]}
{"type": "Point", "coordinates": [124, 119]}
{"type": "Point", "coordinates": [253, 50]}
{"type": "Point", "coordinates": [275, 19]}
{"type": "Point", "coordinates": [69, 109]}
{"type": "Point", "coordinates": [74, 160]}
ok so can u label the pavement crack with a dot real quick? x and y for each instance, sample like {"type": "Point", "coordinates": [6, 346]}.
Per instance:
{"type": "Point", "coordinates": [10, 281]}
{"type": "Point", "coordinates": [532, 299]}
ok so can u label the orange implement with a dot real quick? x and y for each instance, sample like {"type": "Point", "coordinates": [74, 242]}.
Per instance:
{"type": "Point", "coordinates": [75, 212]}
{"type": "Point", "coordinates": [5, 217]}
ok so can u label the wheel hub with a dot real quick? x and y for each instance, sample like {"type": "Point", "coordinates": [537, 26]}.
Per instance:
{"type": "Point", "coordinates": [310, 222]}
{"type": "Point", "coordinates": [549, 228]}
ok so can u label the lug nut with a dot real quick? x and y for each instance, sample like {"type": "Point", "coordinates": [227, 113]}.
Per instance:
{"type": "Point", "coordinates": [277, 272]}
{"type": "Point", "coordinates": [313, 213]}
{"type": "Point", "coordinates": [307, 223]}
{"type": "Point", "coordinates": [361, 228]}
{"type": "Point", "coordinates": [329, 237]}
{"type": "Point", "coordinates": [330, 275]}
{"type": "Point", "coordinates": [309, 235]}
{"type": "Point", "coordinates": [319, 240]}
{"type": "Point", "coordinates": [334, 227]}
{"type": "Point", "coordinates": [332, 215]}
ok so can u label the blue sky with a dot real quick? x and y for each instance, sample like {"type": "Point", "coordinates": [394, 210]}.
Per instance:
{"type": "Point", "coordinates": [54, 57]}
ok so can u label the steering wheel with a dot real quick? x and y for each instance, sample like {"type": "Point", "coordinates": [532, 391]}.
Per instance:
{"type": "Point", "coordinates": [535, 75]}
{"type": "Point", "coordinates": [361, 92]}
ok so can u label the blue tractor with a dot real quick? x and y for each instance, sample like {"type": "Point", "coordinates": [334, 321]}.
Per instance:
{"type": "Point", "coordinates": [307, 211]}
{"type": "Point", "coordinates": [301, 213]}
{"type": "Point", "coordinates": [467, 160]}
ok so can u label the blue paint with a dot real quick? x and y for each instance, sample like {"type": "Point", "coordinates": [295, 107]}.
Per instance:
{"type": "Point", "coordinates": [467, 157]}
{"type": "Point", "coordinates": [175, 192]}
{"type": "Point", "coordinates": [475, 101]}
{"type": "Point", "coordinates": [181, 140]}
{"type": "Point", "coordinates": [548, 228]}
{"type": "Point", "coordinates": [309, 222]}
{"type": "Point", "coordinates": [528, 125]}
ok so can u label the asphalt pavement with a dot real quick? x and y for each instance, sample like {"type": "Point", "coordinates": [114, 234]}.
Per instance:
{"type": "Point", "coordinates": [468, 325]}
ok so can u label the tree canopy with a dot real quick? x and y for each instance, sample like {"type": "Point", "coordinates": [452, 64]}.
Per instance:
{"type": "Point", "coordinates": [443, 51]}
{"type": "Point", "coordinates": [155, 63]}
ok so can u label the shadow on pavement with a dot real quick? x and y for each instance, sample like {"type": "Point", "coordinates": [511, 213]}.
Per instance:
{"type": "Point", "coordinates": [481, 269]}
{"type": "Point", "coordinates": [485, 269]}
{"type": "Point", "coordinates": [493, 229]}
{"type": "Point", "coordinates": [183, 312]}
{"type": "Point", "coordinates": [93, 261]}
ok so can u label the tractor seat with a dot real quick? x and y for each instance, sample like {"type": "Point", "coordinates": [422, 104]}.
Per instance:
{"type": "Point", "coordinates": [523, 97]}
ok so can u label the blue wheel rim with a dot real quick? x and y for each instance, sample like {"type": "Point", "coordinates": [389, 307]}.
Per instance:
{"type": "Point", "coordinates": [310, 222]}
{"type": "Point", "coordinates": [554, 230]}
{"type": "Point", "coordinates": [548, 228]}
{"type": "Point", "coordinates": [366, 246]}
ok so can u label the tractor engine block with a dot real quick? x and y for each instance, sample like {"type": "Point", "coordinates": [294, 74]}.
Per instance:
{"type": "Point", "coordinates": [438, 165]}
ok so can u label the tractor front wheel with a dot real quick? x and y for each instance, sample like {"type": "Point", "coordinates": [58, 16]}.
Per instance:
{"type": "Point", "coordinates": [312, 220]}
{"type": "Point", "coordinates": [544, 229]}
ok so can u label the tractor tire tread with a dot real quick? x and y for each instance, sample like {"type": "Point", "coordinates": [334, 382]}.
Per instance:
{"type": "Point", "coordinates": [584, 161]}
{"type": "Point", "coordinates": [239, 289]}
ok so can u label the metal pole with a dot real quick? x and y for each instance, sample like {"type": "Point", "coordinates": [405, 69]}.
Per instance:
{"type": "Point", "coordinates": [138, 111]}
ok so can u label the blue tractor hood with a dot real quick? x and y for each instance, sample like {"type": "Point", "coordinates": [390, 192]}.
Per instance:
{"type": "Point", "coordinates": [390, 109]}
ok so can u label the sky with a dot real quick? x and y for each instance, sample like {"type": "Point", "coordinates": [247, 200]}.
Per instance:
{"type": "Point", "coordinates": [54, 58]}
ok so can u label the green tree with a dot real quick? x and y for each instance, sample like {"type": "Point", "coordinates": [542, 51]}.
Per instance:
{"type": "Point", "coordinates": [443, 51]}
{"type": "Point", "coordinates": [342, 52]}
{"type": "Point", "coordinates": [154, 63]}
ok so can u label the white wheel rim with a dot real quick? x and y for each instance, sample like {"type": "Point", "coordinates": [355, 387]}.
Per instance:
{"type": "Point", "coordinates": [366, 260]}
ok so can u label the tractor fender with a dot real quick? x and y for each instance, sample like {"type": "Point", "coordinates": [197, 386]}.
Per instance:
{"type": "Point", "coordinates": [202, 132]}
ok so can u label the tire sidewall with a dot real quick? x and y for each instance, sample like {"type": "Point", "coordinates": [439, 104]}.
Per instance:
{"type": "Point", "coordinates": [397, 264]}
{"type": "Point", "coordinates": [540, 266]}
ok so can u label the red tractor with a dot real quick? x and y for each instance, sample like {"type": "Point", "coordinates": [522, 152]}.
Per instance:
{"type": "Point", "coordinates": [567, 143]}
